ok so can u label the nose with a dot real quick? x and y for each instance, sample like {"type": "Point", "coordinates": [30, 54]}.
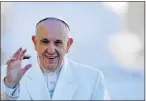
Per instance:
{"type": "Point", "coordinates": [50, 48]}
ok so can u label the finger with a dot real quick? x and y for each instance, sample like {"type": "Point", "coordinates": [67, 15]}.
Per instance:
{"type": "Point", "coordinates": [23, 70]}
{"type": "Point", "coordinates": [21, 55]}
{"type": "Point", "coordinates": [14, 64]}
{"type": "Point", "coordinates": [10, 60]}
{"type": "Point", "coordinates": [17, 53]}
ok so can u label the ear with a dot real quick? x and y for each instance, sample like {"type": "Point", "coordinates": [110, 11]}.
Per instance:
{"type": "Point", "coordinates": [34, 41]}
{"type": "Point", "coordinates": [69, 43]}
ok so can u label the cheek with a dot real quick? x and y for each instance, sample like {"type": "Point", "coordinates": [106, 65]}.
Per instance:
{"type": "Point", "coordinates": [60, 51]}
{"type": "Point", "coordinates": [65, 48]}
{"type": "Point", "coordinates": [40, 48]}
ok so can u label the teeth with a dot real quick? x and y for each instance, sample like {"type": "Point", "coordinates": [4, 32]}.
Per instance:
{"type": "Point", "coordinates": [51, 57]}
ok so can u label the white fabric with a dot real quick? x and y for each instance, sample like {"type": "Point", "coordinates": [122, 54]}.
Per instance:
{"type": "Point", "coordinates": [12, 91]}
{"type": "Point", "coordinates": [76, 82]}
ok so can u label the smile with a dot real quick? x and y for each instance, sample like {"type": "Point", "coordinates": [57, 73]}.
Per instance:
{"type": "Point", "coordinates": [51, 57]}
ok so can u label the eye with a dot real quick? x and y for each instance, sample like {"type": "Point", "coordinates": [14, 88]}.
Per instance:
{"type": "Point", "coordinates": [44, 41]}
{"type": "Point", "coordinates": [58, 43]}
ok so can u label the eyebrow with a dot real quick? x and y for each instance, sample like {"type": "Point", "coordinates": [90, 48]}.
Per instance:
{"type": "Point", "coordinates": [58, 41]}
{"type": "Point", "coordinates": [45, 39]}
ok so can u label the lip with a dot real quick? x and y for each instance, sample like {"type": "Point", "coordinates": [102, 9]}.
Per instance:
{"type": "Point", "coordinates": [51, 57]}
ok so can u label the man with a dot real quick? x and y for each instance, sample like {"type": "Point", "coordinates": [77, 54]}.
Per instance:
{"type": "Point", "coordinates": [52, 76]}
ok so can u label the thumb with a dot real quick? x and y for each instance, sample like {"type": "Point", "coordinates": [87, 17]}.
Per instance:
{"type": "Point", "coordinates": [23, 71]}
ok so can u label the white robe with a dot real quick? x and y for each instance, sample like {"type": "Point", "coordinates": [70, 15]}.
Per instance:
{"type": "Point", "coordinates": [76, 82]}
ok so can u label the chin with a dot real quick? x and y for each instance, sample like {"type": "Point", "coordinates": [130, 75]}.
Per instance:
{"type": "Point", "coordinates": [51, 66]}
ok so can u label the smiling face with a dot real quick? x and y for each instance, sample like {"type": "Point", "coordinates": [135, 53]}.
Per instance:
{"type": "Point", "coordinates": [51, 43]}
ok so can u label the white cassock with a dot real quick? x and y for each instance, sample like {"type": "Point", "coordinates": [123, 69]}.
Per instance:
{"type": "Point", "coordinates": [75, 82]}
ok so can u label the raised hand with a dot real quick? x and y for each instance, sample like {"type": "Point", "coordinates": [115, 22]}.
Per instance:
{"type": "Point", "coordinates": [14, 70]}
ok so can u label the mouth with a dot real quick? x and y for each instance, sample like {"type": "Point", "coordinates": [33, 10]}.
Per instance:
{"type": "Point", "coordinates": [51, 58]}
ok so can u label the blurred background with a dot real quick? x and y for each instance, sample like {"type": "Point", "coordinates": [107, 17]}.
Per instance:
{"type": "Point", "coordinates": [107, 35]}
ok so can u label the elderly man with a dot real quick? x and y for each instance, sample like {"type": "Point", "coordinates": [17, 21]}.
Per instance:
{"type": "Point", "coordinates": [52, 76]}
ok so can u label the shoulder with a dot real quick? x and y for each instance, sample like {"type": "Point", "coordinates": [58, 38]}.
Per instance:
{"type": "Point", "coordinates": [83, 70]}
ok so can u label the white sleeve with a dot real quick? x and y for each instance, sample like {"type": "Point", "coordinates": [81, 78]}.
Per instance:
{"type": "Point", "coordinates": [11, 92]}
{"type": "Point", "coordinates": [100, 91]}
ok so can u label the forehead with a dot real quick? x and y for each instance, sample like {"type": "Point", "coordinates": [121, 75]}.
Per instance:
{"type": "Point", "coordinates": [51, 30]}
